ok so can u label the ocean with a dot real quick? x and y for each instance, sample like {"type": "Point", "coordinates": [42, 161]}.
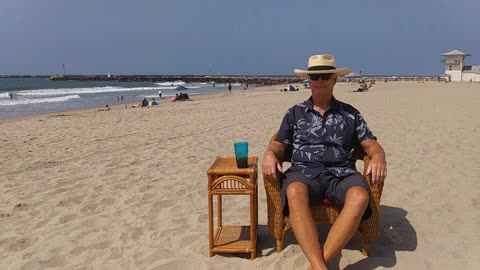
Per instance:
{"type": "Point", "coordinates": [32, 96]}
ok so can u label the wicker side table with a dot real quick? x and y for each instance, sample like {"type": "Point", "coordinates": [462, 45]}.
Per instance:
{"type": "Point", "coordinates": [224, 178]}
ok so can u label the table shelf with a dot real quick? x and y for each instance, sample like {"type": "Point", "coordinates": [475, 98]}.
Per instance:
{"type": "Point", "coordinates": [233, 239]}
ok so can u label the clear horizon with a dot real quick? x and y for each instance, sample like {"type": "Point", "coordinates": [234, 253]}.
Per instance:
{"type": "Point", "coordinates": [243, 38]}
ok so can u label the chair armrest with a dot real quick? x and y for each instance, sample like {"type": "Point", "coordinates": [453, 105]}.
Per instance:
{"type": "Point", "coordinates": [274, 205]}
{"type": "Point", "coordinates": [371, 227]}
{"type": "Point", "coordinates": [375, 188]}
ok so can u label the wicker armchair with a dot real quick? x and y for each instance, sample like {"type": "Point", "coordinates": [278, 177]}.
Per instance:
{"type": "Point", "coordinates": [322, 212]}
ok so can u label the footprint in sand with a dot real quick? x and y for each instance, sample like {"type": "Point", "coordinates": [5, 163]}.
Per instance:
{"type": "Point", "coordinates": [71, 201]}
{"type": "Point", "coordinates": [203, 218]}
{"type": "Point", "coordinates": [180, 264]}
{"type": "Point", "coordinates": [20, 207]}
{"type": "Point", "coordinates": [164, 204]}
{"type": "Point", "coordinates": [67, 218]}
{"type": "Point", "coordinates": [16, 245]}
{"type": "Point", "coordinates": [89, 208]}
{"type": "Point", "coordinates": [55, 261]}
{"type": "Point", "coordinates": [191, 239]}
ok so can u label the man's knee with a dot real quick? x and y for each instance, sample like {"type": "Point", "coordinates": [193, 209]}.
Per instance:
{"type": "Point", "coordinates": [357, 199]}
{"type": "Point", "coordinates": [296, 191]}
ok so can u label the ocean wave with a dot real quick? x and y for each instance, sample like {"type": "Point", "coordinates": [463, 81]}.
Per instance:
{"type": "Point", "coordinates": [20, 101]}
{"type": "Point", "coordinates": [92, 90]}
{"type": "Point", "coordinates": [175, 83]}
{"type": "Point", "coordinates": [5, 95]}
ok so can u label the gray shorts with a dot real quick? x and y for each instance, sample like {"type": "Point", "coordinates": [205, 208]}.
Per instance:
{"type": "Point", "coordinates": [326, 186]}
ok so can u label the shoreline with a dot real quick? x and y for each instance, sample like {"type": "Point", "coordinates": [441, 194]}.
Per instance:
{"type": "Point", "coordinates": [116, 106]}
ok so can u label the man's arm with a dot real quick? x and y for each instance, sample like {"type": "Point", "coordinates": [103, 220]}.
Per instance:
{"type": "Point", "coordinates": [273, 158]}
{"type": "Point", "coordinates": [378, 165]}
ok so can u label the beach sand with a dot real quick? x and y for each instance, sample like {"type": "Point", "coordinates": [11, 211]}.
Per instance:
{"type": "Point", "coordinates": [127, 188]}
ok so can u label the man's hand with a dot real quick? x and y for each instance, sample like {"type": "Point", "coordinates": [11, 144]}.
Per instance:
{"type": "Point", "coordinates": [378, 166]}
{"type": "Point", "coordinates": [378, 169]}
{"type": "Point", "coordinates": [270, 165]}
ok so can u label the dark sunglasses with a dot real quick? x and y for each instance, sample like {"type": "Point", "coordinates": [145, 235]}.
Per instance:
{"type": "Point", "coordinates": [315, 77]}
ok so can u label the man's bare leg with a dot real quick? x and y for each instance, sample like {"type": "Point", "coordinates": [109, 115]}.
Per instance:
{"type": "Point", "coordinates": [347, 222]}
{"type": "Point", "coordinates": [303, 225]}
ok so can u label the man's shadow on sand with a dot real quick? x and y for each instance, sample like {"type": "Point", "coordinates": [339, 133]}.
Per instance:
{"type": "Point", "coordinates": [396, 234]}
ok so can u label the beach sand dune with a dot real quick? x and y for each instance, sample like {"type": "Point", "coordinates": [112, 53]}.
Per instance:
{"type": "Point", "coordinates": [127, 188]}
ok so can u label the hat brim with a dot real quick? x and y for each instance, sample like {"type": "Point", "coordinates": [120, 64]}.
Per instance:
{"type": "Point", "coordinates": [305, 73]}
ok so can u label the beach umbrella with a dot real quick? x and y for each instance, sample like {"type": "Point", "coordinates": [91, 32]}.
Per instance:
{"type": "Point", "coordinates": [352, 75]}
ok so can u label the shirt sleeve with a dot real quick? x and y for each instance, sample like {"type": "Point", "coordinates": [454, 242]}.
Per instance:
{"type": "Point", "coordinates": [285, 133]}
{"type": "Point", "coordinates": [362, 130]}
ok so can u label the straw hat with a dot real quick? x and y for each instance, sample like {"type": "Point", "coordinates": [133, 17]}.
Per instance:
{"type": "Point", "coordinates": [321, 64]}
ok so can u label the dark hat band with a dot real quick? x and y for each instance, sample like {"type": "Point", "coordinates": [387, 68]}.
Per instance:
{"type": "Point", "coordinates": [321, 68]}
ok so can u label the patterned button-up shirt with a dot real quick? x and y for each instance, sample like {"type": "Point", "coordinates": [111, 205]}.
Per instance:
{"type": "Point", "coordinates": [323, 143]}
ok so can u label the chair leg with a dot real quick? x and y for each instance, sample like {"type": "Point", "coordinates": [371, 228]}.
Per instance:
{"type": "Point", "coordinates": [365, 245]}
{"type": "Point", "coordinates": [279, 245]}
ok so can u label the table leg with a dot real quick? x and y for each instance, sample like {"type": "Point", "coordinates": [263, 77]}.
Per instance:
{"type": "Point", "coordinates": [253, 226]}
{"type": "Point", "coordinates": [210, 225]}
{"type": "Point", "coordinates": [219, 211]}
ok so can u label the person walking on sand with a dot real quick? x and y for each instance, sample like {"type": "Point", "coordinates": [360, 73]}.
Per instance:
{"type": "Point", "coordinates": [229, 88]}
{"type": "Point", "coordinates": [323, 132]}
{"type": "Point", "coordinates": [160, 94]}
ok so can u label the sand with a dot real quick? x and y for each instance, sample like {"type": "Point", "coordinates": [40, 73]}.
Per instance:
{"type": "Point", "coordinates": [127, 188]}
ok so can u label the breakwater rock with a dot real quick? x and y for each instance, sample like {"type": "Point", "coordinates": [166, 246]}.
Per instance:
{"type": "Point", "coordinates": [258, 80]}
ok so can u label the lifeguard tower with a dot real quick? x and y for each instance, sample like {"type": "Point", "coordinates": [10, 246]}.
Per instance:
{"type": "Point", "coordinates": [455, 68]}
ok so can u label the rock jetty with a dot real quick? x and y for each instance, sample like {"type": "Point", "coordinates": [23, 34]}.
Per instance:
{"type": "Point", "coordinates": [258, 80]}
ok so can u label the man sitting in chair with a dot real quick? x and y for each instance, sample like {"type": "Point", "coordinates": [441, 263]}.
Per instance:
{"type": "Point", "coordinates": [322, 133]}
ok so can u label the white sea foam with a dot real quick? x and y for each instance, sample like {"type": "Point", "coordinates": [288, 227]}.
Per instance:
{"type": "Point", "coordinates": [92, 90]}
{"type": "Point", "coordinates": [175, 83]}
{"type": "Point", "coordinates": [21, 101]}
{"type": "Point", "coordinates": [5, 95]}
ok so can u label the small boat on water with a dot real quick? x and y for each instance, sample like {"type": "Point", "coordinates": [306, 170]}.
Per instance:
{"type": "Point", "coordinates": [181, 87]}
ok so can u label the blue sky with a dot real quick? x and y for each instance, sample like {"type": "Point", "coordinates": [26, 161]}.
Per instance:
{"type": "Point", "coordinates": [233, 37]}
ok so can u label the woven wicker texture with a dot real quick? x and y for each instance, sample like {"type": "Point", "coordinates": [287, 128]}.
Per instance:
{"type": "Point", "coordinates": [224, 178]}
{"type": "Point", "coordinates": [279, 225]}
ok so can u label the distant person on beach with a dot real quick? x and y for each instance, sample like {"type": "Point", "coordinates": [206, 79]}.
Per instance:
{"type": "Point", "coordinates": [144, 103]}
{"type": "Point", "coordinates": [363, 86]}
{"type": "Point", "coordinates": [229, 88]}
{"type": "Point", "coordinates": [322, 133]}
{"type": "Point", "coordinates": [121, 98]}
{"type": "Point", "coordinates": [154, 102]}
{"type": "Point", "coordinates": [10, 95]}
{"type": "Point", "coordinates": [107, 108]}
{"type": "Point", "coordinates": [160, 94]}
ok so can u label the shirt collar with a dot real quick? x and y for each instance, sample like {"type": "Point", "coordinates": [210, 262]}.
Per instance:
{"type": "Point", "coordinates": [335, 105]}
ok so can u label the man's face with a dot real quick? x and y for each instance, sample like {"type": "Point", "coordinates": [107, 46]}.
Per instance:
{"type": "Point", "coordinates": [322, 84]}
